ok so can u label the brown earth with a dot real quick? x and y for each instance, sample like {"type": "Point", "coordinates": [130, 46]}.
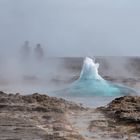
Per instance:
{"type": "Point", "coordinates": [35, 117]}
{"type": "Point", "coordinates": [40, 117]}
{"type": "Point", "coordinates": [122, 118]}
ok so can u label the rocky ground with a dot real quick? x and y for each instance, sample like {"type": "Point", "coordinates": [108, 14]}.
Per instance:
{"type": "Point", "coordinates": [122, 118]}
{"type": "Point", "coordinates": [36, 117]}
{"type": "Point", "coordinates": [40, 117]}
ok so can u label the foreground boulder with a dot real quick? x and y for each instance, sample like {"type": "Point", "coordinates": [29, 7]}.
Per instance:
{"type": "Point", "coordinates": [125, 109]}
{"type": "Point", "coordinates": [122, 118]}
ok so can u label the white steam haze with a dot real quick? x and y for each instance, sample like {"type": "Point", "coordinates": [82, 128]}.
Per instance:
{"type": "Point", "coordinates": [72, 27]}
{"type": "Point", "coordinates": [67, 28]}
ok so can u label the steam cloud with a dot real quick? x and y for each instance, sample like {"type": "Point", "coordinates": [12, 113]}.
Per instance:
{"type": "Point", "coordinates": [72, 28]}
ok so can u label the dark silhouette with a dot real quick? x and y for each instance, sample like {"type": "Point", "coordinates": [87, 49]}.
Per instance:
{"type": "Point", "coordinates": [25, 51]}
{"type": "Point", "coordinates": [38, 52]}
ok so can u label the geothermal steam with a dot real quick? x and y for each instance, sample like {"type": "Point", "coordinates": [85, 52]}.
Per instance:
{"type": "Point", "coordinates": [90, 83]}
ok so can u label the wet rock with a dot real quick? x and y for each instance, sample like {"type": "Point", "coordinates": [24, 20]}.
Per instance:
{"type": "Point", "coordinates": [123, 114]}
{"type": "Point", "coordinates": [101, 124]}
{"type": "Point", "coordinates": [40, 109]}
{"type": "Point", "coordinates": [117, 136]}
{"type": "Point", "coordinates": [2, 93]}
{"type": "Point", "coordinates": [35, 116]}
{"type": "Point", "coordinates": [126, 109]}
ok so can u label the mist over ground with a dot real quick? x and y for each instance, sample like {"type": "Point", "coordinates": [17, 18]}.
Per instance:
{"type": "Point", "coordinates": [30, 66]}
{"type": "Point", "coordinates": [65, 29]}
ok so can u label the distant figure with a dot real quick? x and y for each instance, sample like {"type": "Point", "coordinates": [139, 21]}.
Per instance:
{"type": "Point", "coordinates": [25, 51]}
{"type": "Point", "coordinates": [38, 52]}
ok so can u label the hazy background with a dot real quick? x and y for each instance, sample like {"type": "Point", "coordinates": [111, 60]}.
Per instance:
{"type": "Point", "coordinates": [67, 30]}
{"type": "Point", "coordinates": [72, 27]}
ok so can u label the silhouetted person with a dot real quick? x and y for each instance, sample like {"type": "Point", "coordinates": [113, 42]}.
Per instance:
{"type": "Point", "coordinates": [25, 51]}
{"type": "Point", "coordinates": [38, 52]}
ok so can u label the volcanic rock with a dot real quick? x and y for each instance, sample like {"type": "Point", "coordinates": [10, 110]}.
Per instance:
{"type": "Point", "coordinates": [36, 117]}
{"type": "Point", "coordinates": [125, 109]}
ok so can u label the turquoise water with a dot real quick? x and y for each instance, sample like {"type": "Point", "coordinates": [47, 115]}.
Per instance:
{"type": "Point", "coordinates": [90, 89]}
{"type": "Point", "coordinates": [90, 83]}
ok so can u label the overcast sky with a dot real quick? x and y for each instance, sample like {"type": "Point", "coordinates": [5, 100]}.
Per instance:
{"type": "Point", "coordinates": [72, 27]}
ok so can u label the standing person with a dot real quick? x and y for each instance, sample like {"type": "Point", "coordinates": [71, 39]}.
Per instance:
{"type": "Point", "coordinates": [25, 51]}
{"type": "Point", "coordinates": [39, 52]}
{"type": "Point", "coordinates": [25, 62]}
